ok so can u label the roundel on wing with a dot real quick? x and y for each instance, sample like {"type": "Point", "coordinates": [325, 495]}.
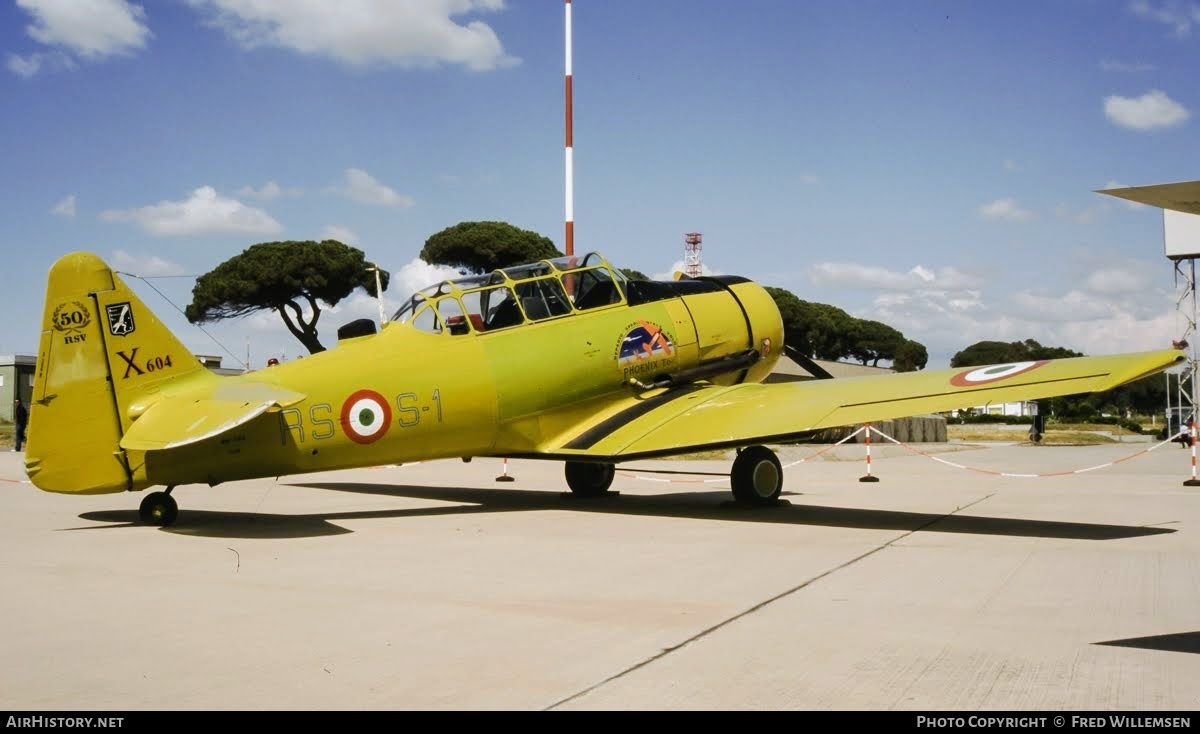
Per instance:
{"type": "Point", "coordinates": [366, 416]}
{"type": "Point", "coordinates": [992, 373]}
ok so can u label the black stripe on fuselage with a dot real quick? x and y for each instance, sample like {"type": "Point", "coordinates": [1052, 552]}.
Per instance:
{"type": "Point", "coordinates": [596, 433]}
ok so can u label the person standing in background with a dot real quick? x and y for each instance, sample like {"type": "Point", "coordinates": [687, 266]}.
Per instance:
{"type": "Point", "coordinates": [20, 419]}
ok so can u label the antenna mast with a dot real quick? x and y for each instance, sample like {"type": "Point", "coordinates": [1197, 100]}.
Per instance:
{"type": "Point", "coordinates": [692, 266]}
{"type": "Point", "coordinates": [570, 209]}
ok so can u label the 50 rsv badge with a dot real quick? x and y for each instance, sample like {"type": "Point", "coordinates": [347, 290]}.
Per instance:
{"type": "Point", "coordinates": [71, 319]}
{"type": "Point", "coordinates": [120, 319]}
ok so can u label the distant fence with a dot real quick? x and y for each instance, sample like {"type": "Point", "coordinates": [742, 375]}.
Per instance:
{"type": "Point", "coordinates": [917, 429]}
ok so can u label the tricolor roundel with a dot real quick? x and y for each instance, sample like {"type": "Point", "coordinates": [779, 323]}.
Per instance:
{"type": "Point", "coordinates": [992, 373]}
{"type": "Point", "coordinates": [366, 416]}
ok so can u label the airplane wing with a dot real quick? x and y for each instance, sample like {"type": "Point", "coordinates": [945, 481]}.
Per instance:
{"type": "Point", "coordinates": [701, 416]}
{"type": "Point", "coordinates": [179, 420]}
{"type": "Point", "coordinates": [1181, 197]}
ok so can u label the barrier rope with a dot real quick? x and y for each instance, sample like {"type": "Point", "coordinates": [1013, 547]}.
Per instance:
{"type": "Point", "coordinates": [725, 477]}
{"type": "Point", "coordinates": [637, 474]}
{"type": "Point", "coordinates": [992, 472]}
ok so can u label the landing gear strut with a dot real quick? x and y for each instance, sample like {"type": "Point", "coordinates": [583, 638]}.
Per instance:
{"type": "Point", "coordinates": [158, 508]}
{"type": "Point", "coordinates": [757, 476]}
{"type": "Point", "coordinates": [587, 479]}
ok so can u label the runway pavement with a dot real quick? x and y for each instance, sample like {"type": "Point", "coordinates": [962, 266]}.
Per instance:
{"type": "Point", "coordinates": [433, 586]}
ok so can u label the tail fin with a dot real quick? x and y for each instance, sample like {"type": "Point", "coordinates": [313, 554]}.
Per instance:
{"type": "Point", "coordinates": [102, 359]}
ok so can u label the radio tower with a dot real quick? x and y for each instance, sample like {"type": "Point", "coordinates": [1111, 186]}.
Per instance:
{"type": "Point", "coordinates": [691, 255]}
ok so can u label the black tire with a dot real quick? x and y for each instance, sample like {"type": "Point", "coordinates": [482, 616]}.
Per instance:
{"type": "Point", "coordinates": [158, 508]}
{"type": "Point", "coordinates": [757, 476]}
{"type": "Point", "coordinates": [587, 479]}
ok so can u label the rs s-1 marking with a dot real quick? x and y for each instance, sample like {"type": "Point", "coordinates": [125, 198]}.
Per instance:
{"type": "Point", "coordinates": [321, 420]}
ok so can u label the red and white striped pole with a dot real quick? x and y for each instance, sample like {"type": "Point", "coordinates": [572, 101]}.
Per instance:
{"type": "Point", "coordinates": [1193, 482]}
{"type": "Point", "coordinates": [505, 477]}
{"type": "Point", "coordinates": [570, 190]}
{"type": "Point", "coordinates": [868, 477]}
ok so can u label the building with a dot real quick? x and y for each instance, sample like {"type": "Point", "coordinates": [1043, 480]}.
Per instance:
{"type": "Point", "coordinates": [16, 381]}
{"type": "Point", "coordinates": [17, 370]}
{"type": "Point", "coordinates": [213, 363]}
{"type": "Point", "coordinates": [1022, 409]}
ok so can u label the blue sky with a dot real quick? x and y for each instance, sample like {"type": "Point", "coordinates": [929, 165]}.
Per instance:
{"type": "Point", "coordinates": [931, 165]}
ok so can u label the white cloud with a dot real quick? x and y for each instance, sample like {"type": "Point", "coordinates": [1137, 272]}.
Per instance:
{"type": "Point", "coordinates": [1123, 67]}
{"type": "Point", "coordinates": [341, 234]}
{"type": "Point", "coordinates": [30, 66]}
{"type": "Point", "coordinates": [1011, 165]}
{"type": "Point", "coordinates": [919, 278]}
{"type": "Point", "coordinates": [402, 33]}
{"type": "Point", "coordinates": [1119, 332]}
{"type": "Point", "coordinates": [1087, 323]}
{"type": "Point", "coordinates": [1073, 305]}
{"type": "Point", "coordinates": [268, 192]}
{"type": "Point", "coordinates": [809, 179]}
{"type": "Point", "coordinates": [144, 265]}
{"type": "Point", "coordinates": [415, 275]}
{"type": "Point", "coordinates": [1005, 209]}
{"type": "Point", "coordinates": [1111, 309]}
{"type": "Point", "coordinates": [24, 66]}
{"type": "Point", "coordinates": [680, 266]}
{"type": "Point", "coordinates": [1118, 306]}
{"type": "Point", "coordinates": [1129, 278]}
{"type": "Point", "coordinates": [364, 188]}
{"type": "Point", "coordinates": [925, 310]}
{"type": "Point", "coordinates": [1081, 216]}
{"type": "Point", "coordinates": [1154, 109]}
{"type": "Point", "coordinates": [944, 321]}
{"type": "Point", "coordinates": [204, 212]}
{"type": "Point", "coordinates": [65, 207]}
{"type": "Point", "coordinates": [1178, 15]}
{"type": "Point", "coordinates": [90, 29]}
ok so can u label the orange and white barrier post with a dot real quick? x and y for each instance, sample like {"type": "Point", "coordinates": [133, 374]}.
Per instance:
{"type": "Point", "coordinates": [505, 476]}
{"type": "Point", "coordinates": [1193, 482]}
{"type": "Point", "coordinates": [868, 477]}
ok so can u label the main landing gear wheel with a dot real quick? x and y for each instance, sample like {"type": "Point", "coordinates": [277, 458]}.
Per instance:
{"type": "Point", "coordinates": [757, 476]}
{"type": "Point", "coordinates": [587, 479]}
{"type": "Point", "coordinates": [158, 508]}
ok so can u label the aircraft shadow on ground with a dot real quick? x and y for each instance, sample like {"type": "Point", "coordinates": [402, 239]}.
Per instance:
{"type": "Point", "coordinates": [1176, 642]}
{"type": "Point", "coordinates": [694, 505]}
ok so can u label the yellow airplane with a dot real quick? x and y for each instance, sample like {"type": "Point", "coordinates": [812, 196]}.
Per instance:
{"type": "Point", "coordinates": [562, 359]}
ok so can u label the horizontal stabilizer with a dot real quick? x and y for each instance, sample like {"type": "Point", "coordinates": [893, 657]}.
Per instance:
{"type": "Point", "coordinates": [179, 421]}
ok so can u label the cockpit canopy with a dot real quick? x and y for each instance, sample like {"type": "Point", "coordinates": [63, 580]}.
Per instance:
{"type": "Point", "coordinates": [511, 296]}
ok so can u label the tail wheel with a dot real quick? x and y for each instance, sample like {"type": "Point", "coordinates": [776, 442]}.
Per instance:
{"type": "Point", "coordinates": [588, 479]}
{"type": "Point", "coordinates": [158, 508]}
{"type": "Point", "coordinates": [757, 476]}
